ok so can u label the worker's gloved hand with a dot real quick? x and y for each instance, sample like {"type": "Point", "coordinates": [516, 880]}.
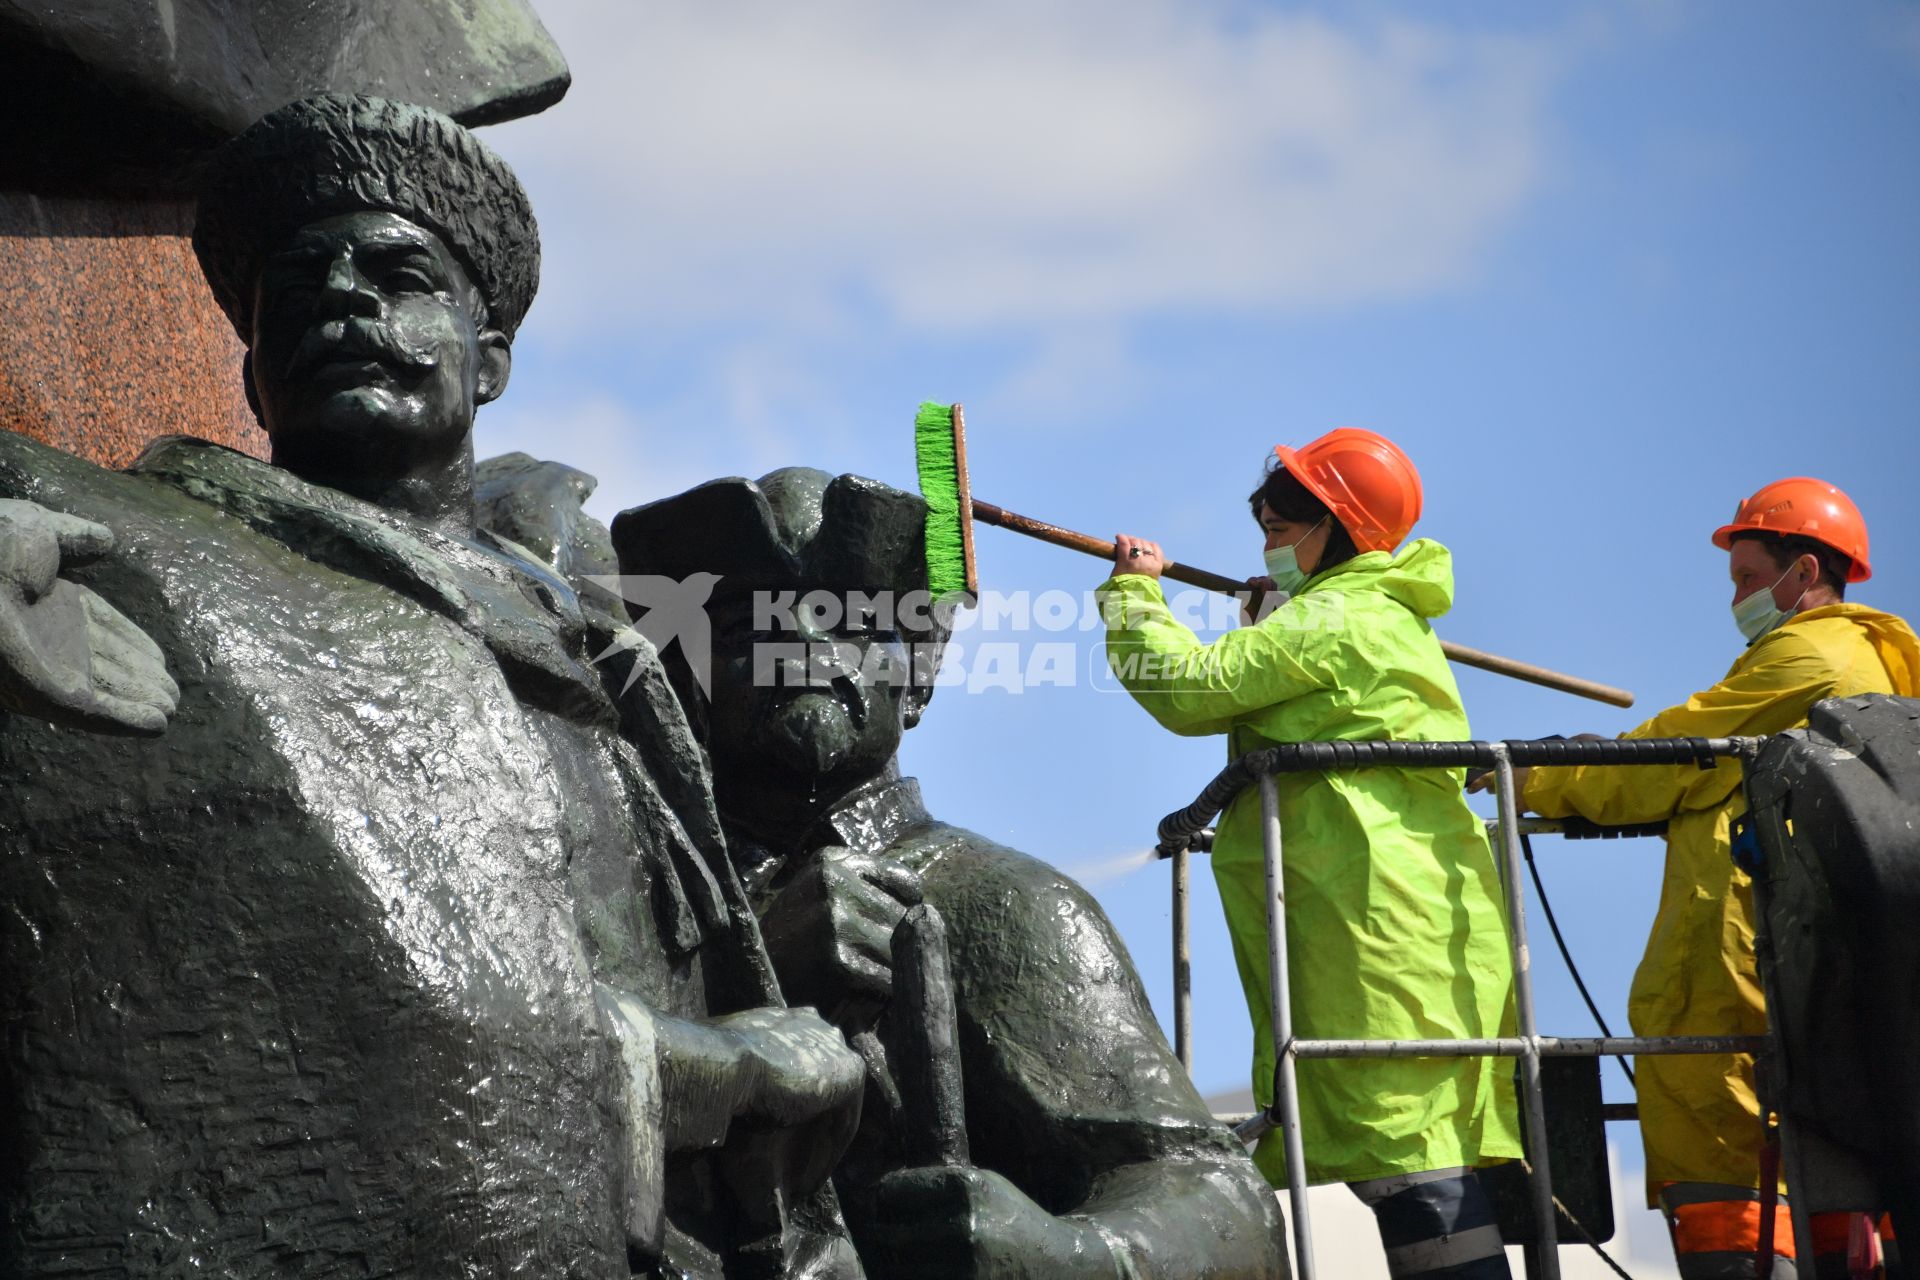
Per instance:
{"type": "Point", "coordinates": [965, 1223]}
{"type": "Point", "coordinates": [1484, 781]}
{"type": "Point", "coordinates": [830, 933]}
{"type": "Point", "coordinates": [66, 655]}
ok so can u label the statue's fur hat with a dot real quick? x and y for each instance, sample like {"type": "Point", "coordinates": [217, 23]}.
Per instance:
{"type": "Point", "coordinates": [338, 153]}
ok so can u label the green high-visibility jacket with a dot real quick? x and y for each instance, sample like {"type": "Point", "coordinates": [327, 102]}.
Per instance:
{"type": "Point", "coordinates": [1395, 916]}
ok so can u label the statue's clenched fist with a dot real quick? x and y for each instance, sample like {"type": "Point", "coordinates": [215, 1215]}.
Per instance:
{"type": "Point", "coordinates": [66, 655]}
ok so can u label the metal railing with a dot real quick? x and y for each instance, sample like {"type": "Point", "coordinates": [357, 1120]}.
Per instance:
{"type": "Point", "coordinates": [1188, 830]}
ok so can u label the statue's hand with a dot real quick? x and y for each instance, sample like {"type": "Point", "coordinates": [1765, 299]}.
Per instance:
{"type": "Point", "coordinates": [797, 1066]}
{"type": "Point", "coordinates": [830, 932]}
{"type": "Point", "coordinates": [66, 655]}
{"type": "Point", "coordinates": [800, 1104]}
{"type": "Point", "coordinates": [966, 1223]}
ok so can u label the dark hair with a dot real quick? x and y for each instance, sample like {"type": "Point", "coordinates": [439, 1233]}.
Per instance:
{"type": "Point", "coordinates": [1785, 548]}
{"type": "Point", "coordinates": [1287, 498]}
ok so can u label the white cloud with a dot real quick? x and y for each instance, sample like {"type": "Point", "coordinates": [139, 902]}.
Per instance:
{"type": "Point", "coordinates": [743, 408]}
{"type": "Point", "coordinates": [1003, 163]}
{"type": "Point", "coordinates": [758, 216]}
{"type": "Point", "coordinates": [636, 456]}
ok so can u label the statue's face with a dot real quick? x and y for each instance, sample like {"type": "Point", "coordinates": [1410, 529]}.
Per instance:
{"type": "Point", "coordinates": [826, 723]}
{"type": "Point", "coordinates": [368, 349]}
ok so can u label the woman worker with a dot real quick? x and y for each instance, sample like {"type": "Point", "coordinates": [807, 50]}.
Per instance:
{"type": "Point", "coordinates": [1396, 928]}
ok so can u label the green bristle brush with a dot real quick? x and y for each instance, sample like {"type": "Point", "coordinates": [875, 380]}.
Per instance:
{"type": "Point", "coordinates": [940, 454]}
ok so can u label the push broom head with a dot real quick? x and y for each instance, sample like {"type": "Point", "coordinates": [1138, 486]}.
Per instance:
{"type": "Point", "coordinates": [940, 453]}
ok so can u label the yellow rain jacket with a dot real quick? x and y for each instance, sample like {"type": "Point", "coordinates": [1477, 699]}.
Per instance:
{"type": "Point", "coordinates": [1699, 1117]}
{"type": "Point", "coordinates": [1395, 918]}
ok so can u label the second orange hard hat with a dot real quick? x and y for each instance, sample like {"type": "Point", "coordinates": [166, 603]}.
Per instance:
{"type": "Point", "coordinates": [1809, 508]}
{"type": "Point", "coordinates": [1365, 479]}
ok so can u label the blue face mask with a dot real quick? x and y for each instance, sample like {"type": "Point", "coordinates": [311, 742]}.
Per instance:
{"type": "Point", "coordinates": [1283, 565]}
{"type": "Point", "coordinates": [1758, 614]}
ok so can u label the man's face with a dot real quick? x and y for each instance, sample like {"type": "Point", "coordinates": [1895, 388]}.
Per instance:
{"type": "Point", "coordinates": [367, 349]}
{"type": "Point", "coordinates": [1752, 569]}
{"type": "Point", "coordinates": [804, 700]}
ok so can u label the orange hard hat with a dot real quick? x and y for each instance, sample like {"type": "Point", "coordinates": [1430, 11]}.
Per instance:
{"type": "Point", "coordinates": [1366, 481]}
{"type": "Point", "coordinates": [1808, 508]}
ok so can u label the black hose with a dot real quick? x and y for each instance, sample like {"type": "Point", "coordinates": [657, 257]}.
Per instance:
{"type": "Point", "coordinates": [1581, 1228]}
{"type": "Point", "coordinates": [1546, 908]}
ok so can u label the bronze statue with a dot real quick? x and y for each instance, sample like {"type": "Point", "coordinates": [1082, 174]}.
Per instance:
{"type": "Point", "coordinates": [409, 946]}
{"type": "Point", "coordinates": [1090, 1152]}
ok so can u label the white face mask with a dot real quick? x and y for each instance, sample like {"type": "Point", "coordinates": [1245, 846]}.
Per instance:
{"type": "Point", "coordinates": [1283, 563]}
{"type": "Point", "coordinates": [1758, 614]}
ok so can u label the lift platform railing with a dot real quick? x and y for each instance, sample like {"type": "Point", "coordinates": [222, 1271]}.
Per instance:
{"type": "Point", "coordinates": [1188, 829]}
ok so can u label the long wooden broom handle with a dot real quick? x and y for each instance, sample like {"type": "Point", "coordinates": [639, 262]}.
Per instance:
{"type": "Point", "coordinates": [1102, 549]}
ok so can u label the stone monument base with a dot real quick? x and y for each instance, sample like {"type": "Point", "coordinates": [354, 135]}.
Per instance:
{"type": "Point", "coordinates": [108, 334]}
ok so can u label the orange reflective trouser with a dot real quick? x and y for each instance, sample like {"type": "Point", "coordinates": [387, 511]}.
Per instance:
{"type": "Point", "coordinates": [1716, 1231]}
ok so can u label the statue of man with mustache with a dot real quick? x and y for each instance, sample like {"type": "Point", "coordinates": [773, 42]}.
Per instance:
{"type": "Point", "coordinates": [393, 934]}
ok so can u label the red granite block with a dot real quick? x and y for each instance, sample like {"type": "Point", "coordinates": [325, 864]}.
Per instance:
{"type": "Point", "coordinates": [108, 335]}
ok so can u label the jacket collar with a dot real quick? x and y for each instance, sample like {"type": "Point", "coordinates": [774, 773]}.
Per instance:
{"type": "Point", "coordinates": [869, 819]}
{"type": "Point", "coordinates": [873, 816]}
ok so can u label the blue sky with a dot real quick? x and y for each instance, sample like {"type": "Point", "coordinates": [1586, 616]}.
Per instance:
{"type": "Point", "coordinates": [1601, 269]}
